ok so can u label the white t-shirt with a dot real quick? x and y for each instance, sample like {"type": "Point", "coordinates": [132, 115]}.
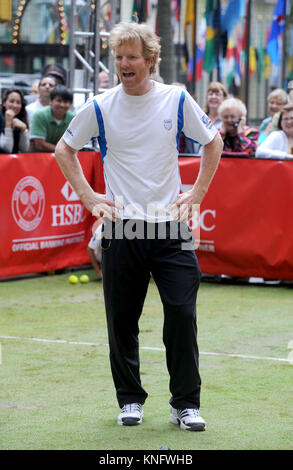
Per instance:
{"type": "Point", "coordinates": [32, 108]}
{"type": "Point", "coordinates": [276, 145]}
{"type": "Point", "coordinates": [139, 141]}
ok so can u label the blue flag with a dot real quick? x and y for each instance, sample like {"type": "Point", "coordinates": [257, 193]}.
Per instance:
{"type": "Point", "coordinates": [277, 28]}
{"type": "Point", "coordinates": [234, 11]}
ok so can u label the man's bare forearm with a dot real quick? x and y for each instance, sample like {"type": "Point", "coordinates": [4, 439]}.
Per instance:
{"type": "Point", "coordinates": [208, 166]}
{"type": "Point", "coordinates": [71, 168]}
{"type": "Point", "coordinates": [194, 196]}
{"type": "Point", "coordinates": [96, 203]}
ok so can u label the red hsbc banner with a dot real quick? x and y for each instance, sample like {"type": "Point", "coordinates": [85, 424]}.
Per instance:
{"type": "Point", "coordinates": [44, 226]}
{"type": "Point", "coordinates": [245, 219]}
{"type": "Point", "coordinates": [246, 223]}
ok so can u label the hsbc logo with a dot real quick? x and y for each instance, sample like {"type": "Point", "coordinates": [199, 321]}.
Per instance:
{"type": "Point", "coordinates": [68, 214]}
{"type": "Point", "coordinates": [69, 193]}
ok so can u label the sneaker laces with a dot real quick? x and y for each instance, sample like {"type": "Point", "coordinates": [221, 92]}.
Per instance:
{"type": "Point", "coordinates": [132, 408]}
{"type": "Point", "coordinates": [190, 412]}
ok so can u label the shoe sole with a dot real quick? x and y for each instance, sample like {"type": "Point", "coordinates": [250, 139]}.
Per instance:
{"type": "Point", "coordinates": [129, 422]}
{"type": "Point", "coordinates": [196, 427]}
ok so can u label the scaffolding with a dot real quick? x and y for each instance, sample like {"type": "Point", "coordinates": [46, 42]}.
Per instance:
{"type": "Point", "coordinates": [86, 80]}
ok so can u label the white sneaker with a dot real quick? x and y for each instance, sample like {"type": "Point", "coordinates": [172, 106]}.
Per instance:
{"type": "Point", "coordinates": [131, 414]}
{"type": "Point", "coordinates": [188, 418]}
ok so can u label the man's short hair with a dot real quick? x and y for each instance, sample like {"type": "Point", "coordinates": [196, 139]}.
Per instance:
{"type": "Point", "coordinates": [63, 92]}
{"type": "Point", "coordinates": [124, 33]}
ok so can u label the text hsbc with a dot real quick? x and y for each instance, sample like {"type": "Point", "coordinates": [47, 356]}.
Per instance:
{"type": "Point", "coordinates": [204, 219]}
{"type": "Point", "coordinates": [67, 214]}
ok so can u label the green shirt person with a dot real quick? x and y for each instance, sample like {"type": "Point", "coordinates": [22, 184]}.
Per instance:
{"type": "Point", "coordinates": [49, 124]}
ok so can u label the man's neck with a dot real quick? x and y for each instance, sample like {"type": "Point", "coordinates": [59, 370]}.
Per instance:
{"type": "Point", "coordinates": [141, 90]}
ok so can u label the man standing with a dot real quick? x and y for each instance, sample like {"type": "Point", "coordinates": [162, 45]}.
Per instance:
{"type": "Point", "coordinates": [138, 124]}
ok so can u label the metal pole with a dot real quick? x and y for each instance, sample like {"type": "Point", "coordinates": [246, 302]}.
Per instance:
{"type": "Point", "coordinates": [110, 55]}
{"type": "Point", "coordinates": [72, 43]}
{"type": "Point", "coordinates": [86, 65]}
{"type": "Point", "coordinates": [179, 47]}
{"type": "Point", "coordinates": [247, 56]}
{"type": "Point", "coordinates": [284, 52]}
{"type": "Point", "coordinates": [88, 45]}
{"type": "Point", "coordinates": [97, 48]}
{"type": "Point", "coordinates": [194, 50]}
{"type": "Point", "coordinates": [218, 42]}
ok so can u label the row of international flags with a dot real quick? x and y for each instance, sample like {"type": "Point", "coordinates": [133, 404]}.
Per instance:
{"type": "Point", "coordinates": [223, 39]}
{"type": "Point", "coordinates": [230, 49]}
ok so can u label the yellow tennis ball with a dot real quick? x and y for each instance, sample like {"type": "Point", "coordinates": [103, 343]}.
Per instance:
{"type": "Point", "coordinates": [84, 279]}
{"type": "Point", "coordinates": [73, 279]}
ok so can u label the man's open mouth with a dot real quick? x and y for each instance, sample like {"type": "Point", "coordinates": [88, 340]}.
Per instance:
{"type": "Point", "coordinates": [128, 74]}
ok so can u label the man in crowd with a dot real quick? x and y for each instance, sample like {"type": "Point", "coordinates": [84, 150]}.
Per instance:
{"type": "Point", "coordinates": [45, 86]}
{"type": "Point", "coordinates": [103, 80]}
{"type": "Point", "coordinates": [49, 124]}
{"type": "Point", "coordinates": [138, 124]}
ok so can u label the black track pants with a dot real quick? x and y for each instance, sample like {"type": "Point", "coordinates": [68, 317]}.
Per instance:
{"type": "Point", "coordinates": [127, 264]}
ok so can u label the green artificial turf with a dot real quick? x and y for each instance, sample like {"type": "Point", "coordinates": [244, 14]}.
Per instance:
{"type": "Point", "coordinates": [60, 395]}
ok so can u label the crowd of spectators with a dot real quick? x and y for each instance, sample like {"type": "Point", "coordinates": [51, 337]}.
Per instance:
{"type": "Point", "coordinates": [272, 139]}
{"type": "Point", "coordinates": [37, 126]}
{"type": "Point", "coordinates": [37, 121]}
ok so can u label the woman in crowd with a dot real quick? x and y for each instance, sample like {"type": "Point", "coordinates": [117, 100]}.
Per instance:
{"type": "Point", "coordinates": [276, 101]}
{"type": "Point", "coordinates": [216, 94]}
{"type": "Point", "coordinates": [14, 134]}
{"type": "Point", "coordinates": [237, 136]}
{"type": "Point", "coordinates": [279, 144]}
